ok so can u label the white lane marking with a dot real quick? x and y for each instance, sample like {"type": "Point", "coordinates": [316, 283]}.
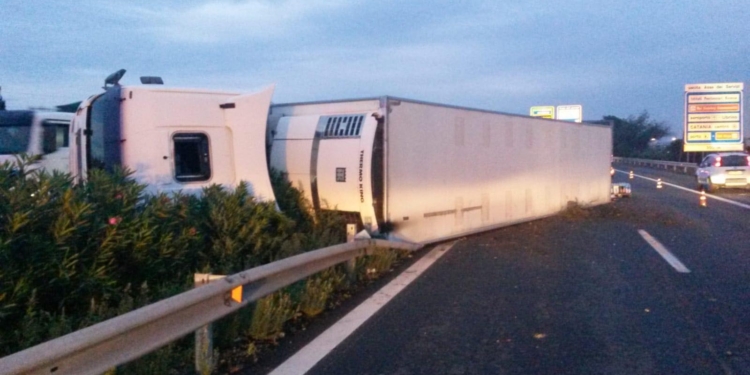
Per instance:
{"type": "Point", "coordinates": [307, 357]}
{"type": "Point", "coordinates": [718, 198]}
{"type": "Point", "coordinates": [671, 259]}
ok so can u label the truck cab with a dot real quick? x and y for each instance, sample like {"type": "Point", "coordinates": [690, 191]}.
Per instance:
{"type": "Point", "coordinates": [175, 139]}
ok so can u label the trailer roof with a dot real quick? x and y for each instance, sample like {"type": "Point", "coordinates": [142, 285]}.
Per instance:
{"type": "Point", "coordinates": [396, 98]}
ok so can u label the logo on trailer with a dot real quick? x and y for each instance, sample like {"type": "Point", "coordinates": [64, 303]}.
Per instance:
{"type": "Point", "coordinates": [361, 172]}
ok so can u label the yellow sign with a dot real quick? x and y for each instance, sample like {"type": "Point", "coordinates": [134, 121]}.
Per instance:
{"type": "Point", "coordinates": [727, 136]}
{"type": "Point", "coordinates": [706, 136]}
{"type": "Point", "coordinates": [707, 126]}
{"type": "Point", "coordinates": [718, 117]}
{"type": "Point", "coordinates": [712, 147]}
{"type": "Point", "coordinates": [547, 111]}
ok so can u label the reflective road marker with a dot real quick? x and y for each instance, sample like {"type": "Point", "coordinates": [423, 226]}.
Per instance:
{"type": "Point", "coordinates": [302, 361]}
{"type": "Point", "coordinates": [671, 259]}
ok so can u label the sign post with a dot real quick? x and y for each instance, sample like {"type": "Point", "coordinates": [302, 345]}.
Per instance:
{"type": "Point", "coordinates": [713, 117]}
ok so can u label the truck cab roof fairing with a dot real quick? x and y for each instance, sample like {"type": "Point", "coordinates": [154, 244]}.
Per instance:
{"type": "Point", "coordinates": [247, 121]}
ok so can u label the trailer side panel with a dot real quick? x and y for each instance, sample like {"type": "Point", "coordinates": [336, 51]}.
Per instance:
{"type": "Point", "coordinates": [453, 171]}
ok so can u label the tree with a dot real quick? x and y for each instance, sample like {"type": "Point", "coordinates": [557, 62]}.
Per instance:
{"type": "Point", "coordinates": [631, 136]}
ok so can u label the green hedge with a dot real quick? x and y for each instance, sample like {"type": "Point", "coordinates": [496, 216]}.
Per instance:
{"type": "Point", "coordinates": [73, 255]}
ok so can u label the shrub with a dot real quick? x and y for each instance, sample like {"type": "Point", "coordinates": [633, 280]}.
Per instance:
{"type": "Point", "coordinates": [270, 314]}
{"type": "Point", "coordinates": [241, 233]}
{"type": "Point", "coordinates": [75, 255]}
{"type": "Point", "coordinates": [379, 261]}
{"type": "Point", "coordinates": [317, 291]}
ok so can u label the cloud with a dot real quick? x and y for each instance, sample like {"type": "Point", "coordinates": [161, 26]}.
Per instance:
{"type": "Point", "coordinates": [228, 21]}
{"type": "Point", "coordinates": [447, 72]}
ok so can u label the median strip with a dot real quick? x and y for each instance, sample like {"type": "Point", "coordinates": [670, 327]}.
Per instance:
{"type": "Point", "coordinates": [671, 259]}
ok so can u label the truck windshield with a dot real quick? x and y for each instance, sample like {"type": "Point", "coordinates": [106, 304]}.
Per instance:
{"type": "Point", "coordinates": [15, 131]}
{"type": "Point", "coordinates": [103, 129]}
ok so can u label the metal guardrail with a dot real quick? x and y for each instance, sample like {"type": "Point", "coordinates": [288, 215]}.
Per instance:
{"type": "Point", "coordinates": [96, 349]}
{"type": "Point", "coordinates": [687, 168]}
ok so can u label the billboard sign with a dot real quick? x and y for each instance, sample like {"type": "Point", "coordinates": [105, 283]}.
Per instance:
{"type": "Point", "coordinates": [545, 111]}
{"type": "Point", "coordinates": [572, 113]}
{"type": "Point", "coordinates": [713, 117]}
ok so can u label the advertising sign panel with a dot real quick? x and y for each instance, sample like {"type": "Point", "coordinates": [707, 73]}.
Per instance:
{"type": "Point", "coordinates": [545, 111]}
{"type": "Point", "coordinates": [572, 113]}
{"type": "Point", "coordinates": [713, 117]}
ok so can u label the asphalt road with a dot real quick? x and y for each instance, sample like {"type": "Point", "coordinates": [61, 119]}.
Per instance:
{"type": "Point", "coordinates": [739, 195]}
{"type": "Point", "coordinates": [581, 293]}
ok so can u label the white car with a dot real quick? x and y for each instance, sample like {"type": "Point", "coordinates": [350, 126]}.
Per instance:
{"type": "Point", "coordinates": [723, 170]}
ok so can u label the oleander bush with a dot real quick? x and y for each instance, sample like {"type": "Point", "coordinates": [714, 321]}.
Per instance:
{"type": "Point", "coordinates": [270, 314]}
{"type": "Point", "coordinates": [317, 291]}
{"type": "Point", "coordinates": [72, 255]}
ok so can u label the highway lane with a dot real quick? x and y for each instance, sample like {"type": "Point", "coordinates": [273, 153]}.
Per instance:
{"type": "Point", "coordinates": [716, 238]}
{"type": "Point", "coordinates": [688, 181]}
{"type": "Point", "coordinates": [583, 293]}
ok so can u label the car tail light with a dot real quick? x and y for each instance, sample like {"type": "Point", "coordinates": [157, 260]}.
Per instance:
{"type": "Point", "coordinates": [718, 161]}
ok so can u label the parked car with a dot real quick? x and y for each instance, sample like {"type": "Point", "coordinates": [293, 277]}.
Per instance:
{"type": "Point", "coordinates": [723, 170]}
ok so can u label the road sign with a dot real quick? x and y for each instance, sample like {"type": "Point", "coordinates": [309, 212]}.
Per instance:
{"type": "Point", "coordinates": [546, 111]}
{"type": "Point", "coordinates": [713, 117]}
{"type": "Point", "coordinates": [572, 113]}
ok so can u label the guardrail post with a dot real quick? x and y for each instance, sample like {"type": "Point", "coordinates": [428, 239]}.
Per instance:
{"type": "Point", "coordinates": [204, 338]}
{"type": "Point", "coordinates": [351, 264]}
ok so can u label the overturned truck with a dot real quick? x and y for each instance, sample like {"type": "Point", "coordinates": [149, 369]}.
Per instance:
{"type": "Point", "coordinates": [427, 171]}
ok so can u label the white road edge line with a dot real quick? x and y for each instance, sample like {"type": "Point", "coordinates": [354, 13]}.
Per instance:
{"type": "Point", "coordinates": [671, 259]}
{"type": "Point", "coordinates": [307, 357]}
{"type": "Point", "coordinates": [718, 198]}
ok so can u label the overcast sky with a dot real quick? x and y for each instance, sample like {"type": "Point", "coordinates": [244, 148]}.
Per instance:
{"type": "Point", "coordinates": [613, 57]}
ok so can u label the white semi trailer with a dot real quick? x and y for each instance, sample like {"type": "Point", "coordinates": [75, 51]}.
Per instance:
{"type": "Point", "coordinates": [430, 171]}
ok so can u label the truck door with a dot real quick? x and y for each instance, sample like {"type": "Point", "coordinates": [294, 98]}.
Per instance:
{"type": "Point", "coordinates": [77, 136]}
